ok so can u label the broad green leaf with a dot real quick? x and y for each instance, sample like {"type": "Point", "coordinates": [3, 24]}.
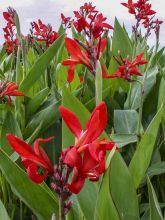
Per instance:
{"type": "Point", "coordinates": [35, 196]}
{"type": "Point", "coordinates": [155, 211]}
{"type": "Point", "coordinates": [47, 116]}
{"type": "Point", "coordinates": [36, 101]}
{"type": "Point", "coordinates": [119, 36]}
{"type": "Point", "coordinates": [125, 121]}
{"type": "Point", "coordinates": [143, 153]}
{"type": "Point", "coordinates": [3, 212]}
{"type": "Point", "coordinates": [10, 125]}
{"type": "Point", "coordinates": [161, 96]}
{"type": "Point", "coordinates": [134, 96]}
{"type": "Point", "coordinates": [156, 169]}
{"type": "Point", "coordinates": [122, 189]}
{"type": "Point", "coordinates": [39, 67]}
{"type": "Point", "coordinates": [122, 140]}
{"type": "Point", "coordinates": [105, 208]}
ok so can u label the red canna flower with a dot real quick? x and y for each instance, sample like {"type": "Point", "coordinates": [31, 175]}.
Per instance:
{"type": "Point", "coordinates": [82, 57]}
{"type": "Point", "coordinates": [141, 9]}
{"type": "Point", "coordinates": [99, 26]}
{"type": "Point", "coordinates": [88, 8]}
{"type": "Point", "coordinates": [129, 68]}
{"type": "Point", "coordinates": [66, 21]}
{"type": "Point", "coordinates": [11, 40]}
{"type": "Point", "coordinates": [9, 89]}
{"type": "Point", "coordinates": [87, 156]}
{"type": "Point", "coordinates": [44, 33]}
{"type": "Point", "coordinates": [32, 159]}
{"type": "Point", "coordinates": [130, 6]}
{"type": "Point", "coordinates": [93, 128]}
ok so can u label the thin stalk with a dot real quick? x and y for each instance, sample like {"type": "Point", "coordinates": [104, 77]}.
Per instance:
{"type": "Point", "coordinates": [61, 215]}
{"type": "Point", "coordinates": [142, 94]}
{"type": "Point", "coordinates": [98, 83]}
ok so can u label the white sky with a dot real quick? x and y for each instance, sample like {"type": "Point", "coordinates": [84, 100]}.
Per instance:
{"type": "Point", "coordinates": [49, 11]}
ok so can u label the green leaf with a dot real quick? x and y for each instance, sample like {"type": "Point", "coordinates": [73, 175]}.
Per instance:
{"type": "Point", "coordinates": [3, 212]}
{"type": "Point", "coordinates": [36, 101]}
{"type": "Point", "coordinates": [133, 99]}
{"type": "Point", "coordinates": [156, 169]}
{"type": "Point", "coordinates": [10, 125]}
{"type": "Point", "coordinates": [41, 64]}
{"type": "Point", "coordinates": [143, 153]}
{"type": "Point", "coordinates": [125, 121]}
{"type": "Point", "coordinates": [122, 140]}
{"type": "Point", "coordinates": [119, 36]}
{"type": "Point", "coordinates": [155, 211]}
{"type": "Point", "coordinates": [105, 208]}
{"type": "Point", "coordinates": [122, 189]}
{"type": "Point", "coordinates": [47, 116]}
{"type": "Point", "coordinates": [35, 196]}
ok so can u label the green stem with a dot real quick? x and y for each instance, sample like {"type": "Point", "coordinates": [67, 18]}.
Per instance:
{"type": "Point", "coordinates": [61, 215]}
{"type": "Point", "coordinates": [141, 108]}
{"type": "Point", "coordinates": [98, 83]}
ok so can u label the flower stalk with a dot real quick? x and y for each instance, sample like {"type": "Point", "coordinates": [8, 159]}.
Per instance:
{"type": "Point", "coordinates": [98, 83]}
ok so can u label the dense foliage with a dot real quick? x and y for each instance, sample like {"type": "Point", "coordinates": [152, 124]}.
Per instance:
{"type": "Point", "coordinates": [82, 118]}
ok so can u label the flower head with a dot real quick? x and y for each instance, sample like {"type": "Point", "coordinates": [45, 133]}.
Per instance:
{"type": "Point", "coordinates": [87, 155]}
{"type": "Point", "coordinates": [85, 57]}
{"type": "Point", "coordinates": [8, 89]}
{"type": "Point", "coordinates": [44, 33]}
{"type": "Point", "coordinates": [129, 68]}
{"type": "Point", "coordinates": [32, 159]}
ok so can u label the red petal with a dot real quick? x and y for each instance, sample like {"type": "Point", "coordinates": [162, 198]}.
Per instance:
{"type": "Point", "coordinates": [71, 73]}
{"type": "Point", "coordinates": [96, 127]}
{"type": "Point", "coordinates": [34, 176]}
{"type": "Point", "coordinates": [89, 163]}
{"type": "Point", "coordinates": [71, 121]}
{"type": "Point", "coordinates": [6, 16]}
{"type": "Point", "coordinates": [76, 184]}
{"type": "Point", "coordinates": [73, 158]}
{"type": "Point", "coordinates": [73, 48]}
{"type": "Point", "coordinates": [103, 45]}
{"type": "Point", "coordinates": [24, 149]}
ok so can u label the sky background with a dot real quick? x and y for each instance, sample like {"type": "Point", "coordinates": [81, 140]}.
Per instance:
{"type": "Point", "coordinates": [49, 12]}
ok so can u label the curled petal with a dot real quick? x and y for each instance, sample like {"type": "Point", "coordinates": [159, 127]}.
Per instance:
{"type": "Point", "coordinates": [34, 175]}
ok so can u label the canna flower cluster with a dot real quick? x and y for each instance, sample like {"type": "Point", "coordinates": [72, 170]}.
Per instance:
{"type": "Point", "coordinates": [85, 159]}
{"type": "Point", "coordinates": [43, 33]}
{"type": "Point", "coordinates": [87, 155]}
{"type": "Point", "coordinates": [11, 40]}
{"type": "Point", "coordinates": [93, 26]}
{"type": "Point", "coordinates": [8, 89]}
{"type": "Point", "coordinates": [128, 68]}
{"type": "Point", "coordinates": [143, 13]}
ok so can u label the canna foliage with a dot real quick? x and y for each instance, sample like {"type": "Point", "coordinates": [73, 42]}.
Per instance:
{"type": "Point", "coordinates": [133, 186]}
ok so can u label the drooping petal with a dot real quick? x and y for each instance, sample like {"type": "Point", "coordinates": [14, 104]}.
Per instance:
{"type": "Point", "coordinates": [24, 149]}
{"type": "Point", "coordinates": [76, 186]}
{"type": "Point", "coordinates": [72, 47]}
{"type": "Point", "coordinates": [71, 121]}
{"type": "Point", "coordinates": [34, 175]}
{"type": "Point", "coordinates": [41, 153]}
{"type": "Point", "coordinates": [103, 45]}
{"type": "Point", "coordinates": [71, 73]}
